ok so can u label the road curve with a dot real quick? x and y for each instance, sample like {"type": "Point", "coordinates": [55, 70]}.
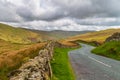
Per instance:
{"type": "Point", "coordinates": [88, 66]}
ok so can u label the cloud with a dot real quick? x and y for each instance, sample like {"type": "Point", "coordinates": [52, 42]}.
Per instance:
{"type": "Point", "coordinates": [60, 14]}
{"type": "Point", "coordinates": [8, 12]}
{"type": "Point", "coordinates": [55, 9]}
{"type": "Point", "coordinates": [67, 24]}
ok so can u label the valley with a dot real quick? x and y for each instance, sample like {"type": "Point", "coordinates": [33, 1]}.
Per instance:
{"type": "Point", "coordinates": [19, 45]}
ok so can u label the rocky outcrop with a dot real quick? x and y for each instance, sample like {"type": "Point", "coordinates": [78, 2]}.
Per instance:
{"type": "Point", "coordinates": [114, 37]}
{"type": "Point", "coordinates": [36, 69]}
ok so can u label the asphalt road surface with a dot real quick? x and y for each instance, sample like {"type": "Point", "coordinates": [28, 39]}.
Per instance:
{"type": "Point", "coordinates": [88, 66]}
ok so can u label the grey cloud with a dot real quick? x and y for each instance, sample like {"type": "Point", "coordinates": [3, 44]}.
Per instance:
{"type": "Point", "coordinates": [90, 8]}
{"type": "Point", "coordinates": [55, 9]}
{"type": "Point", "coordinates": [63, 24]}
{"type": "Point", "coordinates": [8, 12]}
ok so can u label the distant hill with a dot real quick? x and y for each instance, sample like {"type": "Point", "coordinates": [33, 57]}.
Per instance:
{"type": "Point", "coordinates": [26, 36]}
{"type": "Point", "coordinates": [58, 34]}
{"type": "Point", "coordinates": [99, 36]}
{"type": "Point", "coordinates": [17, 35]}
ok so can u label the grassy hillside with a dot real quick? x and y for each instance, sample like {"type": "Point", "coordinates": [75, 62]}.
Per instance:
{"type": "Point", "coordinates": [109, 49]}
{"type": "Point", "coordinates": [17, 35]}
{"type": "Point", "coordinates": [98, 36]}
{"type": "Point", "coordinates": [16, 47]}
{"type": "Point", "coordinates": [58, 34]}
{"type": "Point", "coordinates": [8, 47]}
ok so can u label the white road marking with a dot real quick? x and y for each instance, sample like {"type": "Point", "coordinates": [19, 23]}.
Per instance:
{"type": "Point", "coordinates": [99, 61]}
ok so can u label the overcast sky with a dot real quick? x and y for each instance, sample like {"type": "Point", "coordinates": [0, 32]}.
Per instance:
{"type": "Point", "coordinates": [61, 14]}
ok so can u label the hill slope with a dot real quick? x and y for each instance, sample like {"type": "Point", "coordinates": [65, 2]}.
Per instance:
{"type": "Point", "coordinates": [99, 36]}
{"type": "Point", "coordinates": [17, 35]}
{"type": "Point", "coordinates": [109, 49]}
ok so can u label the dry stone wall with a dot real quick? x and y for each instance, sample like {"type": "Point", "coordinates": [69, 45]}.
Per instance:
{"type": "Point", "coordinates": [36, 69]}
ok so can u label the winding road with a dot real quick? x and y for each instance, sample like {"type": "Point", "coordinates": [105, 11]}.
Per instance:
{"type": "Point", "coordinates": [88, 66]}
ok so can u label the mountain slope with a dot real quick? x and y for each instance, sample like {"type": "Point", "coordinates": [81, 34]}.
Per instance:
{"type": "Point", "coordinates": [17, 35]}
{"type": "Point", "coordinates": [58, 34]}
{"type": "Point", "coordinates": [99, 36]}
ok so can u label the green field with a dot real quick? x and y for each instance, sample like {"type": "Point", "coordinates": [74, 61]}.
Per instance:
{"type": "Point", "coordinates": [61, 66]}
{"type": "Point", "coordinates": [109, 49]}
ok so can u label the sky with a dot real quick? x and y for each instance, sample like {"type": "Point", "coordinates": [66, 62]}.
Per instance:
{"type": "Point", "coordinates": [71, 15]}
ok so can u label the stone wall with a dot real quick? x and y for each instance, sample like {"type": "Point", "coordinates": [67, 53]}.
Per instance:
{"type": "Point", "coordinates": [36, 69]}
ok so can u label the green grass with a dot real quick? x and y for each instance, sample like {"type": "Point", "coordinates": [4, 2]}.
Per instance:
{"type": "Point", "coordinates": [109, 49]}
{"type": "Point", "coordinates": [61, 66]}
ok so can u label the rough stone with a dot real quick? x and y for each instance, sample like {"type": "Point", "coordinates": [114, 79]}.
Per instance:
{"type": "Point", "coordinates": [114, 37]}
{"type": "Point", "coordinates": [38, 68]}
